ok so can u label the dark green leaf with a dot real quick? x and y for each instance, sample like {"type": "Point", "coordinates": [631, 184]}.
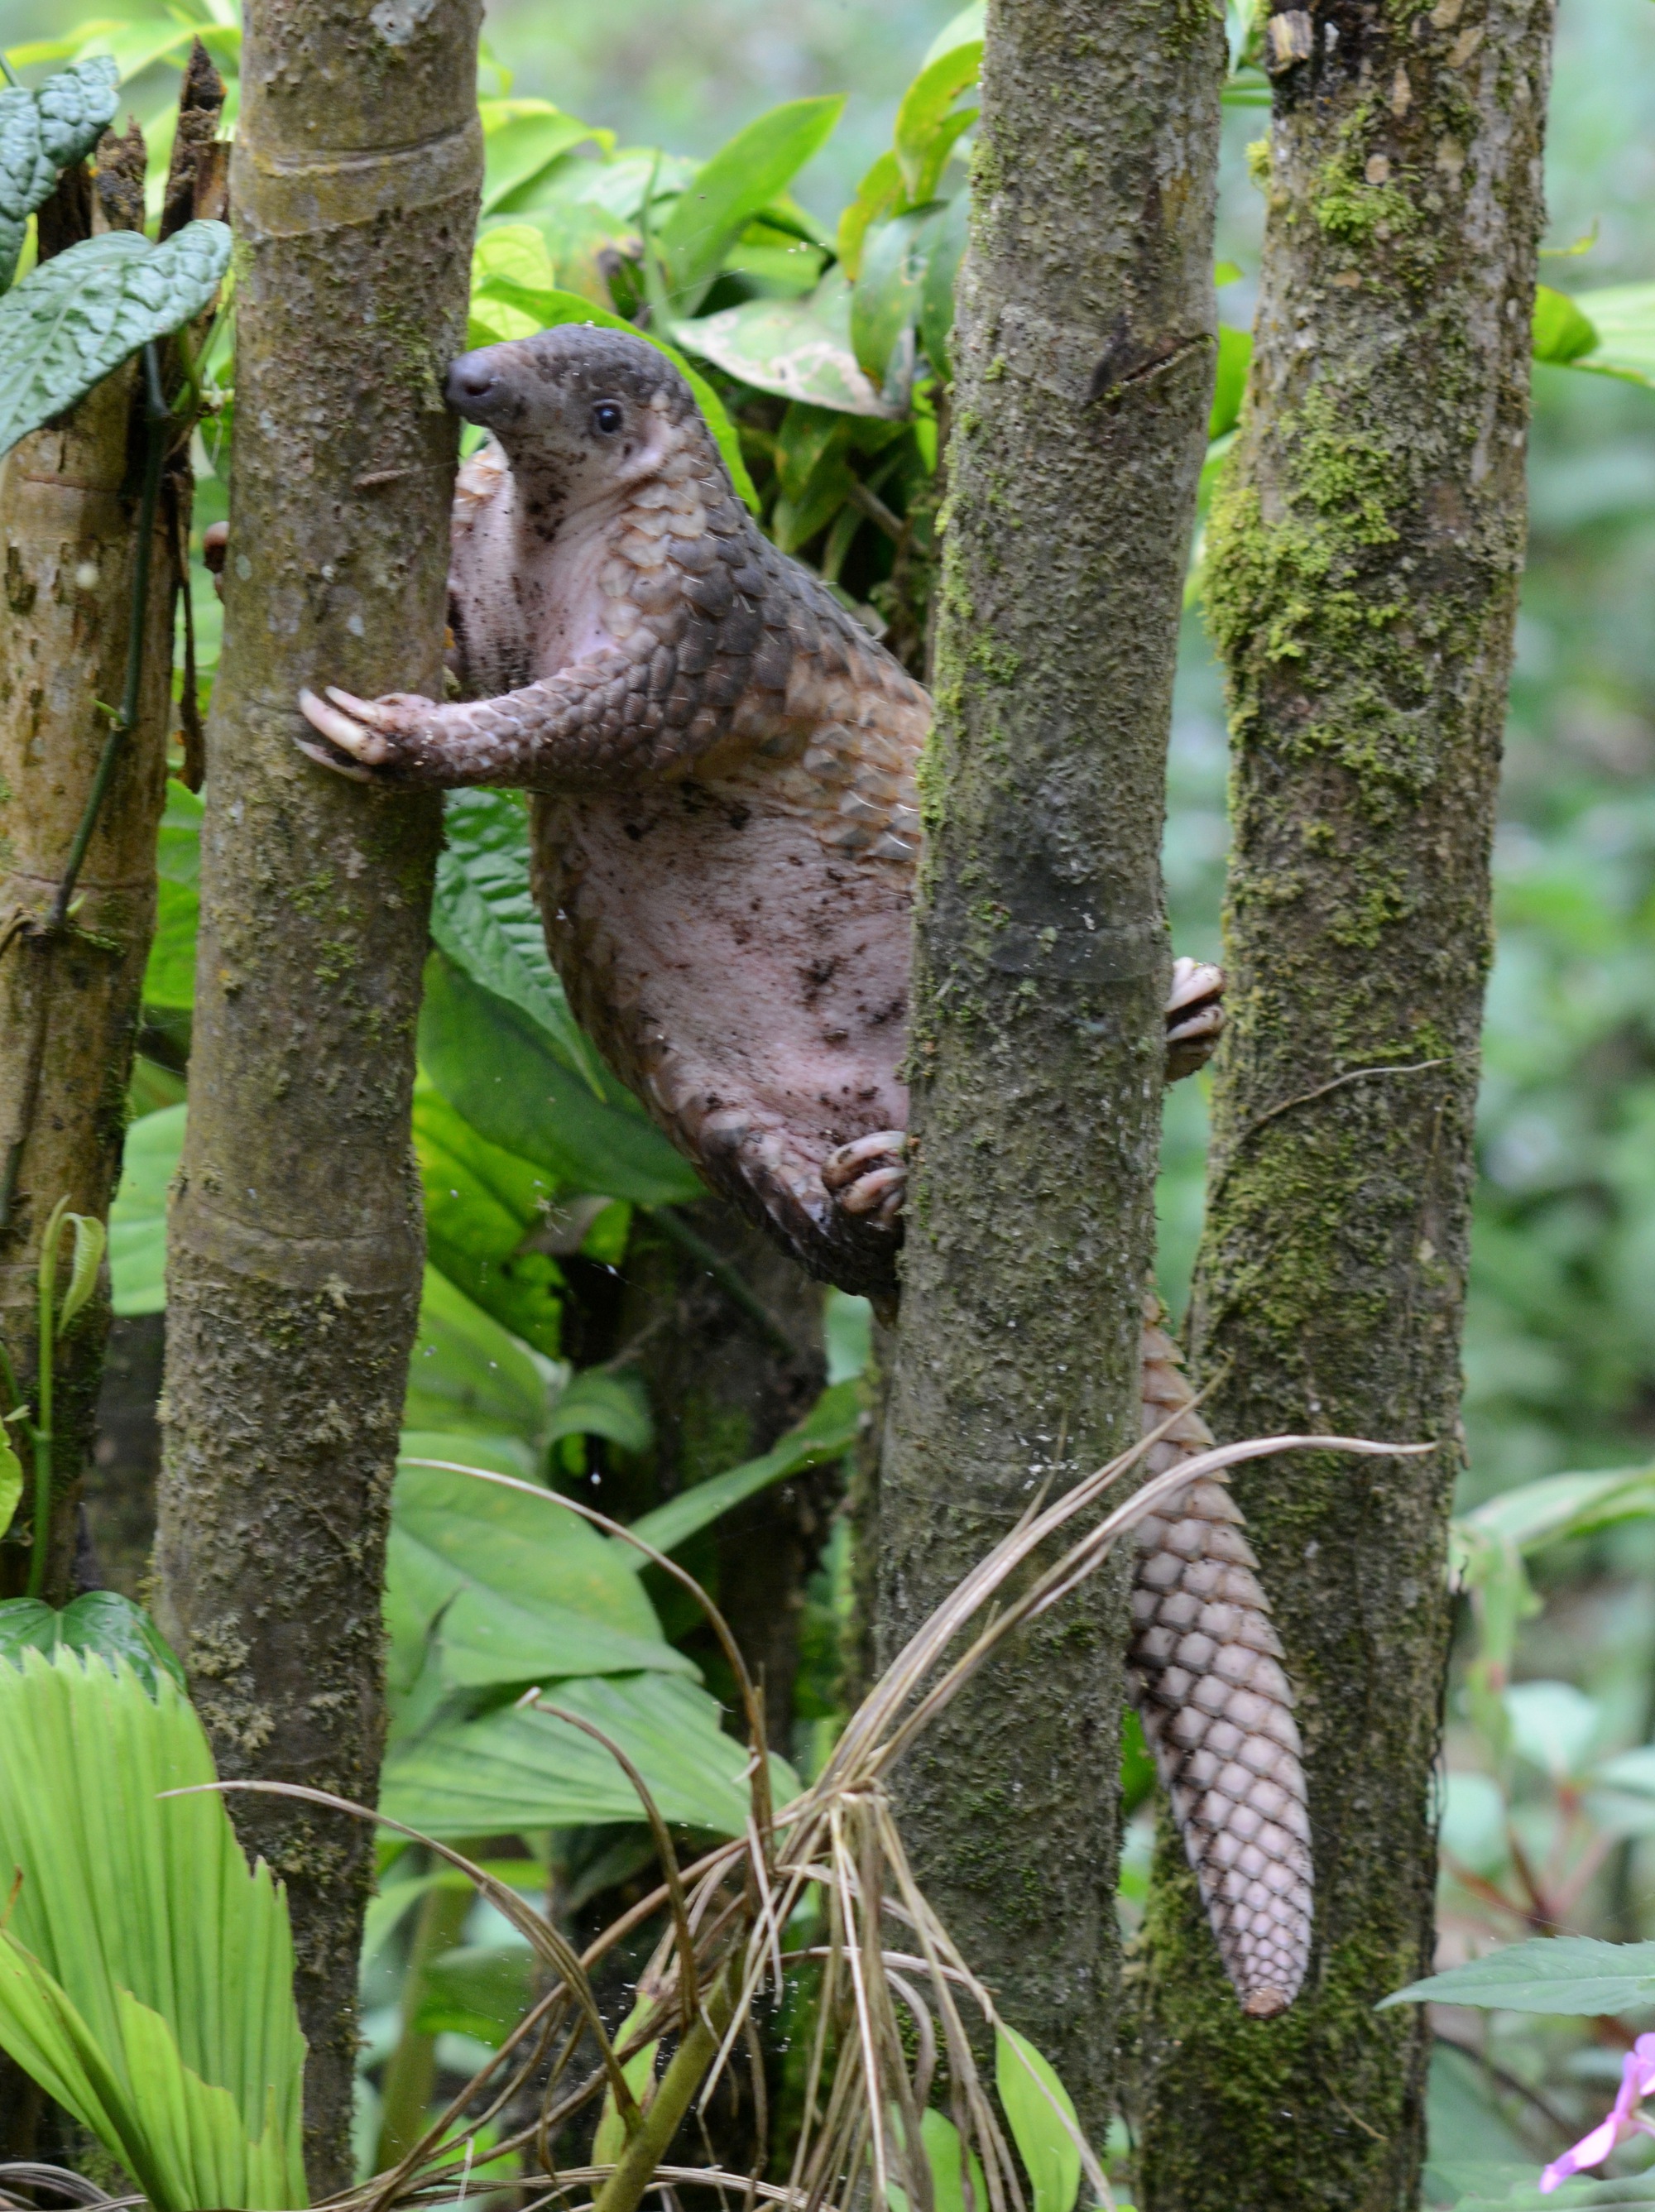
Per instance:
{"type": "Point", "coordinates": [947, 251]}
{"type": "Point", "coordinates": [522, 139]}
{"type": "Point", "coordinates": [481, 1989]}
{"type": "Point", "coordinates": [480, 1204]}
{"type": "Point", "coordinates": [595, 1404]}
{"type": "Point", "coordinates": [1561, 332]}
{"type": "Point", "coordinates": [80, 314]}
{"type": "Point", "coordinates": [525, 1590]}
{"type": "Point", "coordinates": [1559, 1974]}
{"type": "Point", "coordinates": [885, 307]}
{"type": "Point", "coordinates": [99, 1623]}
{"type": "Point", "coordinates": [826, 1432]}
{"type": "Point", "coordinates": [728, 191]}
{"type": "Point", "coordinates": [491, 1063]}
{"type": "Point", "coordinates": [44, 131]}
{"type": "Point", "coordinates": [468, 1373]}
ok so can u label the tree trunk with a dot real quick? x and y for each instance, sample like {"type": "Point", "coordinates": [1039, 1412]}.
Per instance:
{"type": "Point", "coordinates": [1085, 346]}
{"type": "Point", "coordinates": [69, 997]}
{"type": "Point", "coordinates": [1365, 553]}
{"type": "Point", "coordinates": [296, 1246]}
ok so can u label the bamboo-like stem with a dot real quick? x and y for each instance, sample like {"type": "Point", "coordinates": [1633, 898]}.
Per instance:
{"type": "Point", "coordinates": [636, 2169]}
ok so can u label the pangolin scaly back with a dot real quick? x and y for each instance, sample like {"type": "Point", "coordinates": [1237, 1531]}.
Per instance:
{"type": "Point", "coordinates": [1216, 1707]}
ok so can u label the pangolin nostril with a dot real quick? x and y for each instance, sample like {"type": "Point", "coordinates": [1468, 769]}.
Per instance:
{"type": "Point", "coordinates": [471, 379]}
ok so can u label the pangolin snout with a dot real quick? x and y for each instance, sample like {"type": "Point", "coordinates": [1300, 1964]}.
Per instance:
{"type": "Point", "coordinates": [475, 384]}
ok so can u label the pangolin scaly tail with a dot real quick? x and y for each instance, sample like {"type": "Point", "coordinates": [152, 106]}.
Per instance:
{"type": "Point", "coordinates": [1217, 1709]}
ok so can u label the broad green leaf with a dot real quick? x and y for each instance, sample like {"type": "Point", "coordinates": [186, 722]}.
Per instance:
{"type": "Point", "coordinates": [169, 974]}
{"type": "Point", "coordinates": [497, 1455]}
{"type": "Point", "coordinates": [480, 1990]}
{"type": "Point", "coordinates": [494, 1066]}
{"type": "Point", "coordinates": [549, 308]}
{"type": "Point", "coordinates": [799, 347]}
{"type": "Point", "coordinates": [597, 1404]}
{"type": "Point", "coordinates": [964, 29]}
{"type": "Point", "coordinates": [468, 1373]}
{"type": "Point", "coordinates": [90, 1237]}
{"type": "Point", "coordinates": [948, 2158]}
{"type": "Point", "coordinates": [100, 1624]}
{"type": "Point", "coordinates": [879, 195]}
{"type": "Point", "coordinates": [946, 252]}
{"type": "Point", "coordinates": [1553, 1726]}
{"type": "Point", "coordinates": [886, 304]}
{"type": "Point", "coordinates": [521, 140]}
{"type": "Point", "coordinates": [728, 191]}
{"type": "Point", "coordinates": [484, 918]}
{"type": "Point", "coordinates": [1035, 2103]}
{"type": "Point", "coordinates": [145, 1973]}
{"type": "Point", "coordinates": [138, 1219]}
{"type": "Point", "coordinates": [826, 1432]}
{"type": "Point", "coordinates": [927, 122]}
{"type": "Point", "coordinates": [515, 1768]}
{"type": "Point", "coordinates": [41, 132]}
{"type": "Point", "coordinates": [11, 1485]}
{"type": "Point", "coordinates": [78, 316]}
{"type": "Point", "coordinates": [1500, 2186]}
{"type": "Point", "coordinates": [1623, 316]}
{"type": "Point", "coordinates": [480, 1204]}
{"type": "Point", "coordinates": [525, 1590]}
{"type": "Point", "coordinates": [1558, 1974]}
{"type": "Point", "coordinates": [1561, 332]}
{"type": "Point", "coordinates": [1559, 1506]}
{"type": "Point", "coordinates": [1235, 354]}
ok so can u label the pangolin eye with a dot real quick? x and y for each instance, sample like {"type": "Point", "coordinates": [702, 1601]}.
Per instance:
{"type": "Point", "coordinates": [607, 418]}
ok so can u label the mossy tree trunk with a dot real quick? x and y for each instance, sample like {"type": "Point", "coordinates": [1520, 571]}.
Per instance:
{"type": "Point", "coordinates": [69, 997]}
{"type": "Point", "coordinates": [1365, 553]}
{"type": "Point", "coordinates": [295, 1241]}
{"type": "Point", "coordinates": [1084, 352]}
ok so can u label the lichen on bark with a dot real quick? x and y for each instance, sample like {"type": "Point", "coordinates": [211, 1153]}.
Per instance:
{"type": "Point", "coordinates": [295, 1237]}
{"type": "Point", "coordinates": [1084, 344]}
{"type": "Point", "coordinates": [1364, 556]}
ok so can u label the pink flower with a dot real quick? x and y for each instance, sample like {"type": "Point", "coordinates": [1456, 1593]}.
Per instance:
{"type": "Point", "coordinates": [1637, 2080]}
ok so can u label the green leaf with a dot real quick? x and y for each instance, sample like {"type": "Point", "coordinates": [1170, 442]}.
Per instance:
{"type": "Point", "coordinates": [1560, 1506]}
{"type": "Point", "coordinates": [1623, 316]}
{"type": "Point", "coordinates": [521, 140]}
{"type": "Point", "coordinates": [595, 1404]}
{"type": "Point", "coordinates": [480, 1204]}
{"type": "Point", "coordinates": [1033, 2100]}
{"type": "Point", "coordinates": [494, 1066]}
{"type": "Point", "coordinates": [484, 918]}
{"type": "Point", "coordinates": [78, 316]}
{"type": "Point", "coordinates": [826, 1432]}
{"type": "Point", "coordinates": [962, 30]}
{"type": "Point", "coordinates": [468, 1373]}
{"type": "Point", "coordinates": [1235, 354]}
{"type": "Point", "coordinates": [169, 974]}
{"type": "Point", "coordinates": [879, 195]}
{"type": "Point", "coordinates": [728, 191]}
{"type": "Point", "coordinates": [44, 131]}
{"type": "Point", "coordinates": [11, 1483]}
{"type": "Point", "coordinates": [948, 2159]}
{"type": "Point", "coordinates": [799, 348]}
{"type": "Point", "coordinates": [146, 1974]}
{"type": "Point", "coordinates": [138, 1219]}
{"type": "Point", "coordinates": [498, 1454]}
{"type": "Point", "coordinates": [639, 2075]}
{"type": "Point", "coordinates": [886, 304]}
{"type": "Point", "coordinates": [1560, 1974]}
{"type": "Point", "coordinates": [480, 1990]}
{"type": "Point", "coordinates": [100, 1624]}
{"type": "Point", "coordinates": [1561, 332]}
{"type": "Point", "coordinates": [549, 308]}
{"type": "Point", "coordinates": [515, 1768]}
{"type": "Point", "coordinates": [90, 1237]}
{"type": "Point", "coordinates": [525, 1590]}
{"type": "Point", "coordinates": [927, 127]}
{"type": "Point", "coordinates": [946, 252]}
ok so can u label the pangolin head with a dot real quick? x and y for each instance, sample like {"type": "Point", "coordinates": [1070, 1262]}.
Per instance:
{"type": "Point", "coordinates": [588, 411]}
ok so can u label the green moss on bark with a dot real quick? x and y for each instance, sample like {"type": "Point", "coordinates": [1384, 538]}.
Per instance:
{"type": "Point", "coordinates": [1364, 554]}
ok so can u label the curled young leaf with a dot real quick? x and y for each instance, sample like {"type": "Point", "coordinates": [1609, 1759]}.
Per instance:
{"type": "Point", "coordinates": [90, 1237]}
{"type": "Point", "coordinates": [79, 315]}
{"type": "Point", "coordinates": [44, 131]}
{"type": "Point", "coordinates": [11, 1481]}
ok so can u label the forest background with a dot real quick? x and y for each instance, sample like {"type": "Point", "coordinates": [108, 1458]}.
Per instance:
{"type": "Point", "coordinates": [1561, 1338]}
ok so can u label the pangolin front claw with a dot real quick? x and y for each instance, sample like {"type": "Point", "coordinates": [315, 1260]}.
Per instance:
{"type": "Point", "coordinates": [343, 722]}
{"type": "Point", "coordinates": [870, 1175]}
{"type": "Point", "coordinates": [1194, 1015]}
{"type": "Point", "coordinates": [1217, 1708]}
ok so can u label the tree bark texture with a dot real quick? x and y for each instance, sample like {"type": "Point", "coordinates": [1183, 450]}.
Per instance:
{"type": "Point", "coordinates": [1085, 335]}
{"type": "Point", "coordinates": [1364, 548]}
{"type": "Point", "coordinates": [69, 998]}
{"type": "Point", "coordinates": [296, 1236]}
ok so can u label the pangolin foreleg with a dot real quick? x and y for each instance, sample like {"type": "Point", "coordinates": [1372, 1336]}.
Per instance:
{"type": "Point", "coordinates": [1217, 1708]}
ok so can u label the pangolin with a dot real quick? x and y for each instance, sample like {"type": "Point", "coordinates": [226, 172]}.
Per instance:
{"type": "Point", "coordinates": [726, 829]}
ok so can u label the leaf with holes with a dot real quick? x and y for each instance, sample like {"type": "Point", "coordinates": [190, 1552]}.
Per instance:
{"type": "Point", "coordinates": [44, 131]}
{"type": "Point", "coordinates": [80, 314]}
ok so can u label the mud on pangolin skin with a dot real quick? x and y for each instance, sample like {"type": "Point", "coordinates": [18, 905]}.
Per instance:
{"type": "Point", "coordinates": [726, 831]}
